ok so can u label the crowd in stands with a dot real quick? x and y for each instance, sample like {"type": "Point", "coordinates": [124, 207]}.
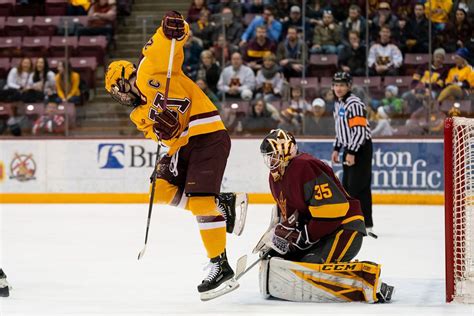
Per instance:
{"type": "Point", "coordinates": [254, 52]}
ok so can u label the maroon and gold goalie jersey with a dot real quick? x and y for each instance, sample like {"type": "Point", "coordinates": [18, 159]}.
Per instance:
{"type": "Point", "coordinates": [310, 187]}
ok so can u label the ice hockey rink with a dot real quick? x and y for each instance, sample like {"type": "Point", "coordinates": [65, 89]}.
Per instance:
{"type": "Point", "coordinates": [81, 259]}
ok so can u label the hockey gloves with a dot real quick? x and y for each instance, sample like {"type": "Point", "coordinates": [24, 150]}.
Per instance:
{"type": "Point", "coordinates": [173, 25]}
{"type": "Point", "coordinates": [287, 237]}
{"type": "Point", "coordinates": [167, 124]}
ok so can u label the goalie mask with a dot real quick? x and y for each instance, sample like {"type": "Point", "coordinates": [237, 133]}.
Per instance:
{"type": "Point", "coordinates": [278, 148]}
{"type": "Point", "coordinates": [117, 83]}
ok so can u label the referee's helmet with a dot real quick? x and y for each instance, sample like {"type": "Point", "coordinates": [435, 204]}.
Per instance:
{"type": "Point", "coordinates": [343, 77]}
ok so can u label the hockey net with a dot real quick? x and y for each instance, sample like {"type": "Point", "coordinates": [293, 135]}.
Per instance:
{"type": "Point", "coordinates": [459, 208]}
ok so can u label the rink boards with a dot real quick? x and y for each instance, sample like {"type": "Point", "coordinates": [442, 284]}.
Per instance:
{"type": "Point", "coordinates": [117, 170]}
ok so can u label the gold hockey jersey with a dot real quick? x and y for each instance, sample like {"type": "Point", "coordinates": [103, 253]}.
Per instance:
{"type": "Point", "coordinates": [196, 113]}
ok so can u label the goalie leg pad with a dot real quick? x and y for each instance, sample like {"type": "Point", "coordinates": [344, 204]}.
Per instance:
{"type": "Point", "coordinates": [263, 278]}
{"type": "Point", "coordinates": [333, 282]}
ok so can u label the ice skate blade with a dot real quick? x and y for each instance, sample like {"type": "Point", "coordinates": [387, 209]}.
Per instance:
{"type": "Point", "coordinates": [224, 288]}
{"type": "Point", "coordinates": [241, 205]}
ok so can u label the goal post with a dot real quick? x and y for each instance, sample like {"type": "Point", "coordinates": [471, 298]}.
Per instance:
{"type": "Point", "coordinates": [459, 208]}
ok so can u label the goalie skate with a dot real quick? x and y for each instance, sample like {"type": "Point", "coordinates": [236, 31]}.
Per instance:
{"type": "Point", "coordinates": [233, 207]}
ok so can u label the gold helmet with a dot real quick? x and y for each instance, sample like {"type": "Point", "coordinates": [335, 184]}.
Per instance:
{"type": "Point", "coordinates": [278, 148]}
{"type": "Point", "coordinates": [117, 82]}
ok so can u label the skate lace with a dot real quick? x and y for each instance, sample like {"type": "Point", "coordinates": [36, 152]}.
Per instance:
{"type": "Point", "coordinates": [215, 269]}
{"type": "Point", "coordinates": [221, 209]}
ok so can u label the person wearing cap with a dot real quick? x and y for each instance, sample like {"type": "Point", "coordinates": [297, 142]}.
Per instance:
{"type": "Point", "coordinates": [354, 138]}
{"type": "Point", "coordinates": [438, 12]}
{"type": "Point", "coordinates": [424, 76]}
{"type": "Point", "coordinates": [316, 121]}
{"type": "Point", "coordinates": [258, 48]}
{"type": "Point", "coordinates": [383, 17]}
{"type": "Point", "coordinates": [460, 78]}
{"type": "Point", "coordinates": [291, 52]}
{"type": "Point", "coordinates": [417, 31]}
{"type": "Point", "coordinates": [295, 20]}
{"type": "Point", "coordinates": [327, 37]}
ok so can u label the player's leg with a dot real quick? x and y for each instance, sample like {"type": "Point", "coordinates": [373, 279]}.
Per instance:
{"type": "Point", "coordinates": [4, 287]}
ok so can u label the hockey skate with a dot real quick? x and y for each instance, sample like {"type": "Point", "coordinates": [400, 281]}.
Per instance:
{"type": "Point", "coordinates": [4, 287]}
{"type": "Point", "coordinates": [220, 280]}
{"type": "Point", "coordinates": [384, 295]}
{"type": "Point", "coordinates": [233, 207]}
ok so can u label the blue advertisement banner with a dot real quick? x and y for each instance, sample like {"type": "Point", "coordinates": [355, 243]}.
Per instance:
{"type": "Point", "coordinates": [397, 165]}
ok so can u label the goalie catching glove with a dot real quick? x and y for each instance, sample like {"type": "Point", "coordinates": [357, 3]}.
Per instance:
{"type": "Point", "coordinates": [167, 124]}
{"type": "Point", "coordinates": [288, 237]}
{"type": "Point", "coordinates": [173, 25]}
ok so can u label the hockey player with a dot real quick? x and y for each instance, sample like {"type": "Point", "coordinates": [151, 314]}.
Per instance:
{"type": "Point", "coordinates": [190, 175]}
{"type": "Point", "coordinates": [4, 287]}
{"type": "Point", "coordinates": [316, 230]}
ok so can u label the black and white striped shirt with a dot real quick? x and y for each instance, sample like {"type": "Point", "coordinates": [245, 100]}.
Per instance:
{"type": "Point", "coordinates": [352, 126]}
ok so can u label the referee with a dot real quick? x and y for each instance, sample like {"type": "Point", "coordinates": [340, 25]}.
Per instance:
{"type": "Point", "coordinates": [354, 138]}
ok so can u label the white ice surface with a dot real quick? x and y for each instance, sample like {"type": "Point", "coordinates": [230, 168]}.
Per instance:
{"type": "Point", "coordinates": [82, 260]}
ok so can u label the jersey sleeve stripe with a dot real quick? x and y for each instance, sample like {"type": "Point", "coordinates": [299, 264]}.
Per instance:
{"type": "Point", "coordinates": [329, 210]}
{"type": "Point", "coordinates": [203, 115]}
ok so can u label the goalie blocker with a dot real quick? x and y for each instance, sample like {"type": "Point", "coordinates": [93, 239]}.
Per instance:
{"type": "Point", "coordinates": [323, 283]}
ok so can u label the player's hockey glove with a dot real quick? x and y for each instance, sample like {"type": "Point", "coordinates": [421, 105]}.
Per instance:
{"type": "Point", "coordinates": [167, 124]}
{"type": "Point", "coordinates": [288, 237]}
{"type": "Point", "coordinates": [173, 25]}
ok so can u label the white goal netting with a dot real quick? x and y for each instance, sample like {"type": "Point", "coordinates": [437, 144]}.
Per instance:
{"type": "Point", "coordinates": [463, 208]}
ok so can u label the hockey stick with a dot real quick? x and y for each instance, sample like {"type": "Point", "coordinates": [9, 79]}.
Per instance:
{"type": "Point", "coordinates": [152, 194]}
{"type": "Point", "coordinates": [241, 270]}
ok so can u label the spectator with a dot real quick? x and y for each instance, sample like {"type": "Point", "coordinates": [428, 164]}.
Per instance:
{"type": "Point", "coordinates": [210, 94]}
{"type": "Point", "coordinates": [101, 20]}
{"type": "Point", "coordinates": [16, 122]}
{"type": "Point", "coordinates": [282, 7]}
{"type": "Point", "coordinates": [233, 28]}
{"type": "Point", "coordinates": [259, 47]}
{"type": "Point", "coordinates": [222, 50]}
{"type": "Point", "coordinates": [254, 6]}
{"type": "Point", "coordinates": [290, 120]}
{"type": "Point", "coordinates": [297, 102]}
{"type": "Point", "coordinates": [417, 31]}
{"type": "Point", "coordinates": [192, 51]}
{"type": "Point", "coordinates": [43, 80]}
{"type": "Point", "coordinates": [316, 122]}
{"type": "Point", "coordinates": [295, 20]}
{"type": "Point", "coordinates": [268, 20]}
{"type": "Point", "coordinates": [269, 81]}
{"type": "Point", "coordinates": [18, 81]}
{"type": "Point", "coordinates": [259, 120]}
{"type": "Point", "coordinates": [466, 5]}
{"type": "Point", "coordinates": [438, 12]}
{"type": "Point", "coordinates": [460, 78]}
{"type": "Point", "coordinates": [403, 8]}
{"type": "Point", "coordinates": [355, 22]}
{"type": "Point", "coordinates": [385, 58]}
{"type": "Point", "coordinates": [436, 76]}
{"type": "Point", "coordinates": [233, 5]}
{"type": "Point", "coordinates": [327, 36]}
{"type": "Point", "coordinates": [195, 10]}
{"type": "Point", "coordinates": [78, 7]}
{"type": "Point", "coordinates": [383, 17]}
{"type": "Point", "coordinates": [67, 84]}
{"type": "Point", "coordinates": [392, 105]}
{"type": "Point", "coordinates": [328, 96]}
{"type": "Point", "coordinates": [203, 29]}
{"type": "Point", "coordinates": [291, 52]}
{"type": "Point", "coordinates": [237, 80]}
{"type": "Point", "coordinates": [427, 119]}
{"type": "Point", "coordinates": [352, 57]}
{"type": "Point", "coordinates": [50, 122]}
{"type": "Point", "coordinates": [381, 122]}
{"type": "Point", "coordinates": [457, 33]}
{"type": "Point", "coordinates": [209, 70]}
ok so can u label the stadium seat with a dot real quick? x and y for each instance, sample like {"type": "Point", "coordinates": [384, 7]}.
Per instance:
{"type": "Point", "coordinates": [88, 46]}
{"type": "Point", "coordinates": [412, 61]}
{"type": "Point", "coordinates": [55, 7]}
{"type": "Point", "coordinates": [72, 23]}
{"type": "Point", "coordinates": [6, 7]}
{"type": "Point", "coordinates": [32, 110]}
{"type": "Point", "coordinates": [465, 106]}
{"type": "Point", "coordinates": [373, 84]}
{"type": "Point", "coordinates": [10, 46]}
{"type": "Point", "coordinates": [326, 82]}
{"type": "Point", "coordinates": [31, 9]}
{"type": "Point", "coordinates": [403, 82]}
{"type": "Point", "coordinates": [68, 109]}
{"type": "Point", "coordinates": [53, 62]}
{"type": "Point", "coordinates": [322, 65]}
{"type": "Point", "coordinates": [45, 26]}
{"type": "Point", "coordinates": [310, 86]}
{"type": "Point", "coordinates": [58, 44]}
{"type": "Point", "coordinates": [2, 25]}
{"type": "Point", "coordinates": [86, 67]}
{"type": "Point", "coordinates": [35, 46]}
{"type": "Point", "coordinates": [18, 26]}
{"type": "Point", "coordinates": [4, 66]}
{"type": "Point", "coordinates": [6, 110]}
{"type": "Point", "coordinates": [237, 106]}
{"type": "Point", "coordinates": [449, 59]}
{"type": "Point", "coordinates": [15, 61]}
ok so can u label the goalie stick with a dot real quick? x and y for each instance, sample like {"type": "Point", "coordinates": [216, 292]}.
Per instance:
{"type": "Point", "coordinates": [152, 194]}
